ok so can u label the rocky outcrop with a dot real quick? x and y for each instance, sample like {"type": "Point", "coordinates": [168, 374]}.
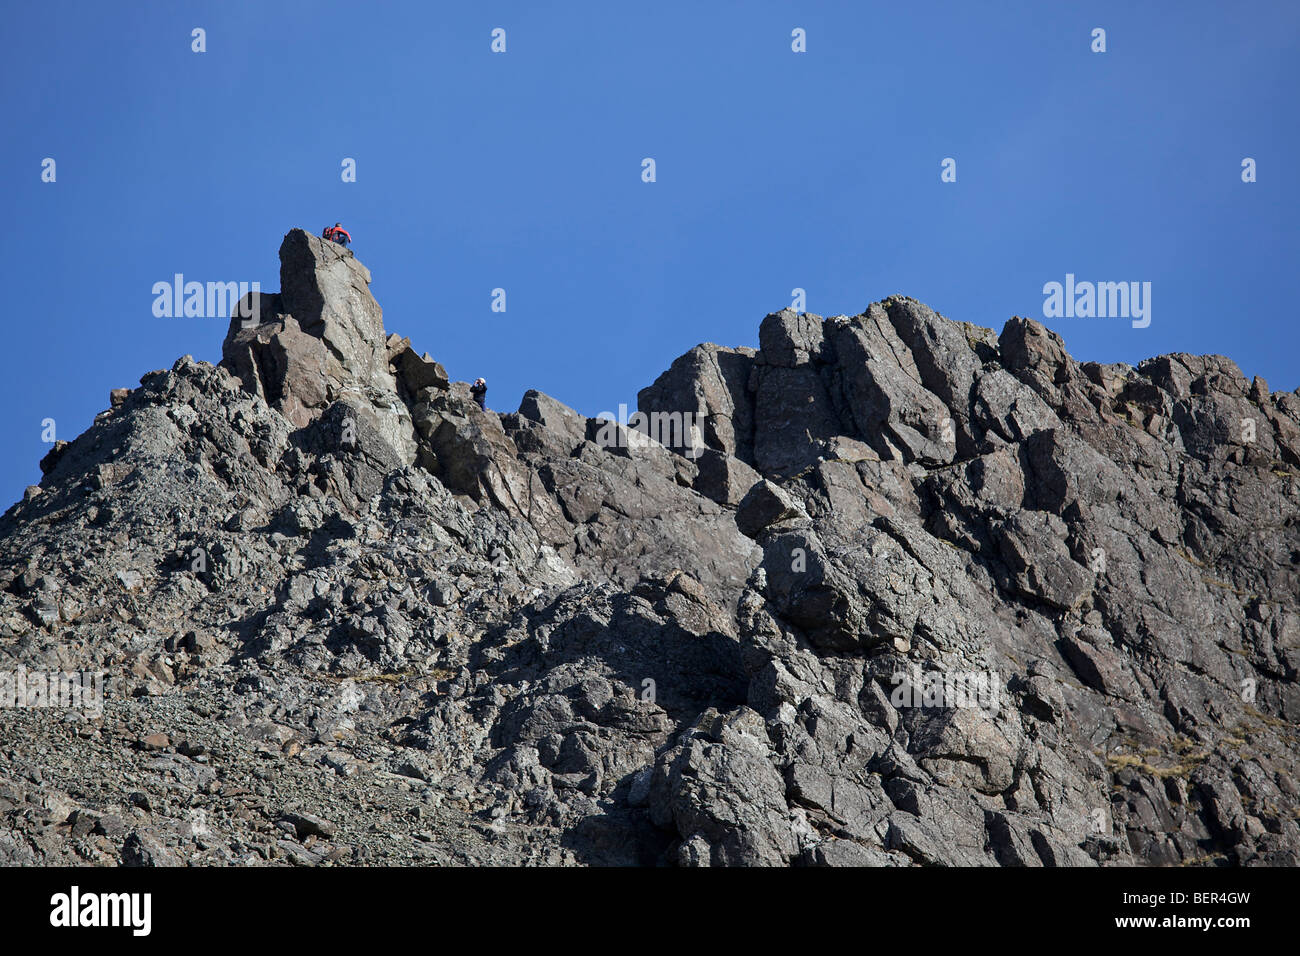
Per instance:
{"type": "Point", "coordinates": [912, 593]}
{"type": "Point", "coordinates": [319, 340]}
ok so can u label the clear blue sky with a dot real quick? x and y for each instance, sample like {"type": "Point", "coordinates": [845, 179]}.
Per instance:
{"type": "Point", "coordinates": [522, 170]}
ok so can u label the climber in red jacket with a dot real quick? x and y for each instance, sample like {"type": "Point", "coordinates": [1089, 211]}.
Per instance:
{"type": "Point", "coordinates": [336, 233]}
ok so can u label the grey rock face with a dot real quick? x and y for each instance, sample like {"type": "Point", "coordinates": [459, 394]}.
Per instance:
{"type": "Point", "coordinates": [765, 505]}
{"type": "Point", "coordinates": [321, 338]}
{"type": "Point", "coordinates": [927, 595]}
{"type": "Point", "coordinates": [712, 382]}
{"type": "Point", "coordinates": [328, 290]}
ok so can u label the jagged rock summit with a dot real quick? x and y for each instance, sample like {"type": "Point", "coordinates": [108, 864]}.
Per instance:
{"type": "Point", "coordinates": [319, 340]}
{"type": "Point", "coordinates": [908, 592]}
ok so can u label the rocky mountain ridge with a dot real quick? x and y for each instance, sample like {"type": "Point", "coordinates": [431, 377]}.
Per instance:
{"type": "Point", "coordinates": [346, 615]}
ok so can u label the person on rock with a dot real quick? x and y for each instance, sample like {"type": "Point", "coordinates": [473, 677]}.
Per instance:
{"type": "Point", "coordinates": [479, 391]}
{"type": "Point", "coordinates": [336, 233]}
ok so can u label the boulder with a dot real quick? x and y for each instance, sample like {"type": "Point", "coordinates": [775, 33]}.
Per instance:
{"type": "Point", "coordinates": [764, 505]}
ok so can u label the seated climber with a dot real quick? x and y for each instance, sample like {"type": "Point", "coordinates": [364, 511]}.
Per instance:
{"type": "Point", "coordinates": [479, 391]}
{"type": "Point", "coordinates": [336, 233]}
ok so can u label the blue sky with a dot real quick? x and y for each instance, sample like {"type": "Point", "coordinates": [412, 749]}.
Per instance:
{"type": "Point", "coordinates": [522, 170]}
